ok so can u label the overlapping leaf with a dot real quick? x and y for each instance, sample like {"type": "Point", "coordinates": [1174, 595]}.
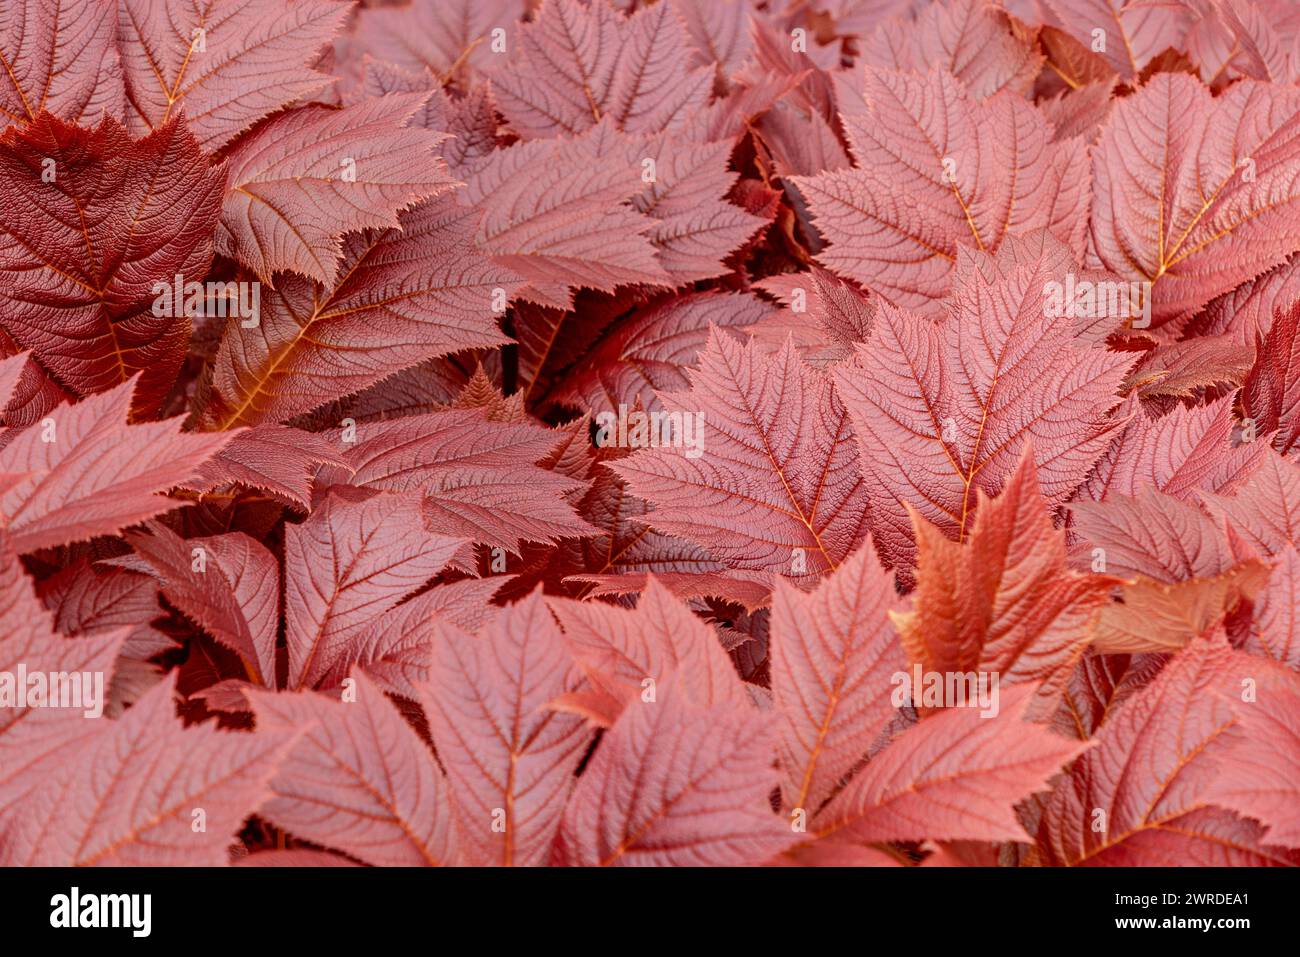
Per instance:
{"type": "Point", "coordinates": [1003, 601]}
{"type": "Point", "coordinates": [955, 776]}
{"type": "Point", "coordinates": [85, 472]}
{"type": "Point", "coordinates": [675, 783]}
{"type": "Point", "coordinates": [359, 779]}
{"type": "Point", "coordinates": [1194, 194]}
{"type": "Point", "coordinates": [929, 178]}
{"type": "Point", "coordinates": [229, 584]}
{"type": "Point", "coordinates": [1144, 794]}
{"type": "Point", "coordinates": [353, 559]}
{"type": "Point", "coordinates": [404, 296]}
{"type": "Point", "coordinates": [509, 759]}
{"type": "Point", "coordinates": [94, 227]}
{"type": "Point", "coordinates": [478, 478]}
{"type": "Point", "coordinates": [224, 63]}
{"type": "Point", "coordinates": [578, 64]}
{"type": "Point", "coordinates": [308, 176]}
{"type": "Point", "coordinates": [776, 486]}
{"type": "Point", "coordinates": [834, 653]}
{"type": "Point", "coordinates": [60, 57]}
{"type": "Point", "coordinates": [942, 409]}
{"type": "Point", "coordinates": [131, 796]}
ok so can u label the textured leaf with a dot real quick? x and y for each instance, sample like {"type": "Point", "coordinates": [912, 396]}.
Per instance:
{"type": "Point", "coordinates": [651, 350]}
{"type": "Point", "coordinates": [308, 176]}
{"type": "Point", "coordinates": [717, 30]}
{"type": "Point", "coordinates": [556, 213]}
{"type": "Point", "coordinates": [1185, 369]}
{"type": "Point", "coordinates": [224, 63]}
{"type": "Point", "coordinates": [91, 474]}
{"type": "Point", "coordinates": [359, 779]}
{"type": "Point", "coordinates": [398, 652]}
{"type": "Point", "coordinates": [1134, 31]}
{"type": "Point", "coordinates": [833, 654]}
{"type": "Point", "coordinates": [228, 584]}
{"type": "Point", "coordinates": [477, 477]}
{"type": "Point", "coordinates": [435, 35]}
{"type": "Point", "coordinates": [87, 601]}
{"type": "Point", "coordinates": [1099, 685]}
{"type": "Point", "coordinates": [696, 229]}
{"type": "Point", "coordinates": [271, 458]}
{"type": "Point", "coordinates": [1004, 601]}
{"type": "Point", "coordinates": [620, 649]}
{"type": "Point", "coordinates": [969, 39]}
{"type": "Point", "coordinates": [60, 56]}
{"type": "Point", "coordinates": [841, 314]}
{"type": "Point", "coordinates": [26, 388]}
{"type": "Point", "coordinates": [405, 296]}
{"type": "Point", "coordinates": [777, 485]}
{"type": "Point", "coordinates": [954, 776]}
{"type": "Point", "coordinates": [353, 559]}
{"type": "Point", "coordinates": [1152, 616]}
{"type": "Point", "coordinates": [1194, 194]}
{"type": "Point", "coordinates": [33, 738]}
{"type": "Point", "coordinates": [84, 255]}
{"type": "Point", "coordinates": [929, 178]}
{"type": "Point", "coordinates": [1271, 393]}
{"type": "Point", "coordinates": [1264, 782]}
{"type": "Point", "coordinates": [1154, 535]}
{"type": "Point", "coordinates": [1263, 507]}
{"type": "Point", "coordinates": [1179, 453]}
{"type": "Point", "coordinates": [1277, 613]}
{"type": "Point", "coordinates": [578, 64]}
{"type": "Point", "coordinates": [128, 796]}
{"type": "Point", "coordinates": [1144, 794]}
{"type": "Point", "coordinates": [673, 783]}
{"type": "Point", "coordinates": [941, 409]}
{"type": "Point", "coordinates": [509, 760]}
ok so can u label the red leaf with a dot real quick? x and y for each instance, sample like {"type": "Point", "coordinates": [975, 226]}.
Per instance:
{"type": "Point", "coordinates": [1195, 194]}
{"type": "Point", "coordinates": [1004, 601]}
{"type": "Point", "coordinates": [929, 178]}
{"type": "Point", "coordinates": [1271, 393]}
{"type": "Point", "coordinates": [650, 351]}
{"type": "Point", "coordinates": [95, 227]}
{"type": "Point", "coordinates": [358, 779]}
{"type": "Point", "coordinates": [578, 64]}
{"type": "Point", "coordinates": [1145, 794]}
{"type": "Point", "coordinates": [970, 39]}
{"type": "Point", "coordinates": [509, 760]}
{"type": "Point", "coordinates": [133, 793]}
{"type": "Point", "coordinates": [673, 783]}
{"type": "Point", "coordinates": [834, 652]}
{"type": "Point", "coordinates": [236, 599]}
{"type": "Point", "coordinates": [1264, 777]}
{"type": "Point", "coordinates": [59, 56]}
{"type": "Point", "coordinates": [36, 738]}
{"type": "Point", "coordinates": [1134, 32]}
{"type": "Point", "coordinates": [954, 776]}
{"type": "Point", "coordinates": [776, 486]}
{"type": "Point", "coordinates": [623, 652]}
{"type": "Point", "coordinates": [477, 477]}
{"type": "Point", "coordinates": [306, 177]}
{"type": "Point", "coordinates": [405, 296]}
{"type": "Point", "coordinates": [226, 63]}
{"type": "Point", "coordinates": [353, 559]}
{"type": "Point", "coordinates": [1188, 449]}
{"type": "Point", "coordinates": [435, 35]}
{"type": "Point", "coordinates": [941, 409]}
{"type": "Point", "coordinates": [398, 652]}
{"type": "Point", "coordinates": [87, 473]}
{"type": "Point", "coordinates": [271, 458]}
